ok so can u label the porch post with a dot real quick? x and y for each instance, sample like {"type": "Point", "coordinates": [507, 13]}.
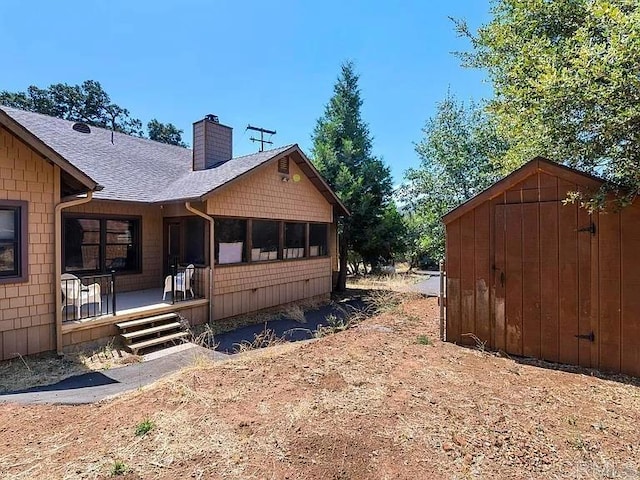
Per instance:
{"type": "Point", "coordinates": [57, 227]}
{"type": "Point", "coordinates": [212, 251]}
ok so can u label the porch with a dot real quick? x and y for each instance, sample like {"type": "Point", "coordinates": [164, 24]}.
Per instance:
{"type": "Point", "coordinates": [95, 325]}
{"type": "Point", "coordinates": [96, 299]}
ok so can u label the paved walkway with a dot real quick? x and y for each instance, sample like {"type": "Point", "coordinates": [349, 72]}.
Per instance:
{"type": "Point", "coordinates": [93, 387]}
{"type": "Point", "coordinates": [96, 386]}
{"type": "Point", "coordinates": [430, 285]}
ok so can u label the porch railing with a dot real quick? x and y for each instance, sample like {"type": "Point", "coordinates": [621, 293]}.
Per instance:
{"type": "Point", "coordinates": [88, 296]}
{"type": "Point", "coordinates": [187, 282]}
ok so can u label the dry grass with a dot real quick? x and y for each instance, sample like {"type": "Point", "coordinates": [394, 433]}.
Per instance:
{"type": "Point", "coordinates": [399, 282]}
{"type": "Point", "coordinates": [295, 311]}
{"type": "Point", "coordinates": [367, 403]}
{"type": "Point", "coordinates": [25, 372]}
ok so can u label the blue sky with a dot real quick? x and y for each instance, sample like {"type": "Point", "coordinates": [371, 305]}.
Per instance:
{"type": "Point", "coordinates": [271, 64]}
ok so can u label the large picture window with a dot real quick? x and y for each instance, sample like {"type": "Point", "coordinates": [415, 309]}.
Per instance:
{"type": "Point", "coordinates": [230, 238]}
{"type": "Point", "coordinates": [100, 245]}
{"type": "Point", "coordinates": [13, 232]}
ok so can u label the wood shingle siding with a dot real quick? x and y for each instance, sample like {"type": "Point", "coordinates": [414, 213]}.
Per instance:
{"type": "Point", "coordinates": [27, 308]}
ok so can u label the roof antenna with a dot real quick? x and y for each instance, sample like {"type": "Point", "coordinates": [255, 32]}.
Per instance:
{"type": "Point", "coordinates": [261, 139]}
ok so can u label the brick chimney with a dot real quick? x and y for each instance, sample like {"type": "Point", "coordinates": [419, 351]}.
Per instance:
{"type": "Point", "coordinates": [212, 143]}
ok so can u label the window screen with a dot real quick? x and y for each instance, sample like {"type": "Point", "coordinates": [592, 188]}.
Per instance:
{"type": "Point", "coordinates": [265, 238]}
{"type": "Point", "coordinates": [230, 238]}
{"type": "Point", "coordinates": [318, 240]}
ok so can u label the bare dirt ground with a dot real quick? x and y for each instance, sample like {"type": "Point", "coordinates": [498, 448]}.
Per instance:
{"type": "Point", "coordinates": [382, 400]}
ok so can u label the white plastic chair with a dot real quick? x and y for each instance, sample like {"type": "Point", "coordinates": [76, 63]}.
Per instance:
{"type": "Point", "coordinates": [76, 294]}
{"type": "Point", "coordinates": [183, 282]}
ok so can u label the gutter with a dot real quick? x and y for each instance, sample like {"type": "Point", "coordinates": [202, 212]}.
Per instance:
{"type": "Point", "coordinates": [212, 252]}
{"type": "Point", "coordinates": [58, 261]}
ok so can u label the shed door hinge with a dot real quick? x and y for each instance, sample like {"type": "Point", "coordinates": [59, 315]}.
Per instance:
{"type": "Point", "coordinates": [591, 228]}
{"type": "Point", "coordinates": [587, 336]}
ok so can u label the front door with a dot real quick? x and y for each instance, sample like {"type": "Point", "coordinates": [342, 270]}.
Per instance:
{"type": "Point", "coordinates": [543, 282]}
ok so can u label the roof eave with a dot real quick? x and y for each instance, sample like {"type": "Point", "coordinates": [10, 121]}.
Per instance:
{"type": "Point", "coordinates": [537, 164]}
{"type": "Point", "coordinates": [46, 151]}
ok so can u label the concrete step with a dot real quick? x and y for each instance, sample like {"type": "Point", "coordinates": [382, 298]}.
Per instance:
{"type": "Point", "coordinates": [134, 347]}
{"type": "Point", "coordinates": [146, 321]}
{"type": "Point", "coordinates": [150, 331]}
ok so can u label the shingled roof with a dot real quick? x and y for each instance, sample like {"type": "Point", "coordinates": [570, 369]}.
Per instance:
{"type": "Point", "coordinates": [132, 168]}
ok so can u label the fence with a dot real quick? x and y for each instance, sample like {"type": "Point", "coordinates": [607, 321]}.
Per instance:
{"type": "Point", "coordinates": [88, 296]}
{"type": "Point", "coordinates": [186, 282]}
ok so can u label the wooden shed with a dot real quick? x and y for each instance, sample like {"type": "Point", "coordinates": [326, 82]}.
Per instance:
{"type": "Point", "coordinates": [534, 277]}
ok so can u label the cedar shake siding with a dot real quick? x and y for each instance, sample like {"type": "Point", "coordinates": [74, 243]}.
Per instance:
{"type": "Point", "coordinates": [114, 202]}
{"type": "Point", "coordinates": [27, 307]}
{"type": "Point", "coordinates": [244, 288]}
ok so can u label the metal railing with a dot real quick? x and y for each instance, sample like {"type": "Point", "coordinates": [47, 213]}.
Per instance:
{"type": "Point", "coordinates": [88, 296]}
{"type": "Point", "coordinates": [186, 282]}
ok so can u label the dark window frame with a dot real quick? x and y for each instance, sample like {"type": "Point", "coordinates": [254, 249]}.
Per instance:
{"type": "Point", "coordinates": [281, 222]}
{"type": "Point", "coordinates": [21, 272]}
{"type": "Point", "coordinates": [103, 242]}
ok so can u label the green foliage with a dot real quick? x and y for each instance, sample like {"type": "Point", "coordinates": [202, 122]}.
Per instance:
{"type": "Point", "coordinates": [565, 76]}
{"type": "Point", "coordinates": [165, 133]}
{"type": "Point", "coordinates": [459, 157]}
{"type": "Point", "coordinates": [119, 468]}
{"type": "Point", "coordinates": [342, 152]}
{"type": "Point", "coordinates": [144, 427]}
{"type": "Point", "coordinates": [88, 103]}
{"type": "Point", "coordinates": [424, 340]}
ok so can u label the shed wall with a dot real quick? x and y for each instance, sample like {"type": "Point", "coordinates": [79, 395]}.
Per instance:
{"type": "Point", "coordinates": [570, 282]}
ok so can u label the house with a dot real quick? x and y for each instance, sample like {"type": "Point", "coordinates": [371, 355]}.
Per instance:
{"type": "Point", "coordinates": [136, 220]}
{"type": "Point", "coordinates": [533, 276]}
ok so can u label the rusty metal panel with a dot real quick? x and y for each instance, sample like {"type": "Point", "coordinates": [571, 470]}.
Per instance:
{"type": "Point", "coordinates": [454, 317]}
{"type": "Point", "coordinates": [531, 346]}
{"type": "Point", "coordinates": [482, 261]}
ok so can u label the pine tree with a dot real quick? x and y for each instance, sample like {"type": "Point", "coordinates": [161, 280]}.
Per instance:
{"type": "Point", "coordinates": [342, 152]}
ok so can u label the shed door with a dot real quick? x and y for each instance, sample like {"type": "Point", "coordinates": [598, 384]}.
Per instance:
{"type": "Point", "coordinates": [543, 282]}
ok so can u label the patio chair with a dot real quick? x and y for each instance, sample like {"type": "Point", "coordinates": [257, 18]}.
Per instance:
{"type": "Point", "coordinates": [75, 294]}
{"type": "Point", "coordinates": [183, 282]}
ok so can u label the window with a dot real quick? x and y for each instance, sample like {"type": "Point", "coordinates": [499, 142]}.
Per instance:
{"type": "Point", "coordinates": [101, 244]}
{"type": "Point", "coordinates": [13, 238]}
{"type": "Point", "coordinates": [265, 239]}
{"type": "Point", "coordinates": [318, 240]}
{"type": "Point", "coordinates": [294, 240]}
{"type": "Point", "coordinates": [230, 238]}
